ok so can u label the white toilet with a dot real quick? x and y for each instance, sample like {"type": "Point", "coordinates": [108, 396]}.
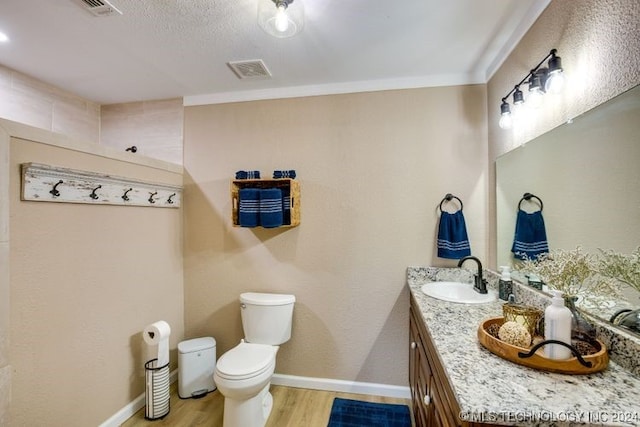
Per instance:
{"type": "Point", "coordinates": [243, 374]}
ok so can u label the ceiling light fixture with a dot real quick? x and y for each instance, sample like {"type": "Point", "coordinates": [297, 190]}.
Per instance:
{"type": "Point", "coordinates": [281, 18]}
{"type": "Point", "coordinates": [3, 37]}
{"type": "Point", "coordinates": [540, 80]}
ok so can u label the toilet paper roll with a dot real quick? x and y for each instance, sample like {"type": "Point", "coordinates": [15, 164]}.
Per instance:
{"type": "Point", "coordinates": [157, 334]}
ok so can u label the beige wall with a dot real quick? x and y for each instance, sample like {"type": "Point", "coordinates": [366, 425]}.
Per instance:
{"type": "Point", "coordinates": [5, 321]}
{"type": "Point", "coordinates": [27, 100]}
{"type": "Point", "coordinates": [373, 168]}
{"type": "Point", "coordinates": [154, 127]}
{"type": "Point", "coordinates": [600, 50]}
{"type": "Point", "coordinates": [84, 282]}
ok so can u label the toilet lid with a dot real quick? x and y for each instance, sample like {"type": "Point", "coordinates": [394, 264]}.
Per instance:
{"type": "Point", "coordinates": [246, 360]}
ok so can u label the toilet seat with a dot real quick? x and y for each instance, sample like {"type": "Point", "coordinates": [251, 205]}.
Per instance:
{"type": "Point", "coordinates": [246, 360]}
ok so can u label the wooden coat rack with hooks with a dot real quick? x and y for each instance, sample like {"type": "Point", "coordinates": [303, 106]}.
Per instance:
{"type": "Point", "coordinates": [45, 183]}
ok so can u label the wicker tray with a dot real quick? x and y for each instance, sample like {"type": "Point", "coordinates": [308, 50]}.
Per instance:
{"type": "Point", "coordinates": [597, 361]}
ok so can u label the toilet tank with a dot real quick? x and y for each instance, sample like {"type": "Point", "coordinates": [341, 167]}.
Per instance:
{"type": "Point", "coordinates": [266, 318]}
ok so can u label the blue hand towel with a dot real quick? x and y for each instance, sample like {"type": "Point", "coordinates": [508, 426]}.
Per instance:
{"type": "Point", "coordinates": [271, 214]}
{"type": "Point", "coordinates": [248, 175]}
{"type": "Point", "coordinates": [286, 205]}
{"type": "Point", "coordinates": [249, 207]}
{"type": "Point", "coordinates": [453, 242]}
{"type": "Point", "coordinates": [284, 174]}
{"type": "Point", "coordinates": [530, 240]}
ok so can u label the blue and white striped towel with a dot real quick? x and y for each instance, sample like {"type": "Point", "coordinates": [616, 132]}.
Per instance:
{"type": "Point", "coordinates": [271, 214]}
{"type": "Point", "coordinates": [284, 174]}
{"type": "Point", "coordinates": [530, 239]}
{"type": "Point", "coordinates": [286, 205]}
{"type": "Point", "coordinates": [248, 175]}
{"type": "Point", "coordinates": [249, 207]}
{"type": "Point", "coordinates": [453, 242]}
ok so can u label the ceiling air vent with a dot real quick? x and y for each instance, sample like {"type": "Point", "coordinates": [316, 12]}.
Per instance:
{"type": "Point", "coordinates": [99, 7]}
{"type": "Point", "coordinates": [254, 69]}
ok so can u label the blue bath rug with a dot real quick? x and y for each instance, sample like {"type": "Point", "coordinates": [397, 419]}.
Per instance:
{"type": "Point", "coordinates": [355, 413]}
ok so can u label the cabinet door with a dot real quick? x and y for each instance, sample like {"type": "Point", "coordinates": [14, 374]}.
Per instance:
{"type": "Point", "coordinates": [442, 395]}
{"type": "Point", "coordinates": [425, 391]}
{"type": "Point", "coordinates": [420, 380]}
{"type": "Point", "coordinates": [416, 383]}
{"type": "Point", "coordinates": [444, 415]}
{"type": "Point", "coordinates": [431, 402]}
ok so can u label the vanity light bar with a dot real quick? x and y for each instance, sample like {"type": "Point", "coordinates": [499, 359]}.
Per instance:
{"type": "Point", "coordinates": [540, 80]}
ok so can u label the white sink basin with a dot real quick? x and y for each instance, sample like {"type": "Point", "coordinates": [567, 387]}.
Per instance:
{"type": "Point", "coordinates": [457, 292]}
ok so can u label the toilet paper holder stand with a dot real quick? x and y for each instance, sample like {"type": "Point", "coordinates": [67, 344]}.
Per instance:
{"type": "Point", "coordinates": [157, 394]}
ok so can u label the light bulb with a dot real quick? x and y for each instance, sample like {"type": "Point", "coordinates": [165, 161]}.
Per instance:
{"type": "Point", "coordinates": [286, 20]}
{"type": "Point", "coordinates": [555, 82]}
{"type": "Point", "coordinates": [3, 37]}
{"type": "Point", "coordinates": [282, 20]}
{"type": "Point", "coordinates": [506, 121]}
{"type": "Point", "coordinates": [518, 112]}
{"type": "Point", "coordinates": [555, 79]}
{"type": "Point", "coordinates": [534, 100]}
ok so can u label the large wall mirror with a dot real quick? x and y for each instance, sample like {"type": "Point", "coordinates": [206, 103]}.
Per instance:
{"type": "Point", "coordinates": [587, 174]}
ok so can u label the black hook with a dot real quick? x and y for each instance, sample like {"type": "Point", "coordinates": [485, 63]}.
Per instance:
{"type": "Point", "coordinates": [54, 190]}
{"type": "Point", "coordinates": [151, 197]}
{"type": "Point", "coordinates": [93, 194]}
{"type": "Point", "coordinates": [447, 198]}
{"type": "Point", "coordinates": [125, 197]}
{"type": "Point", "coordinates": [528, 197]}
{"type": "Point", "coordinates": [133, 149]}
{"type": "Point", "coordinates": [169, 199]}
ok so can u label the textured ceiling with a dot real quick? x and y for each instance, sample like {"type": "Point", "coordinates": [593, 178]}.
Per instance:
{"type": "Point", "coordinates": [172, 48]}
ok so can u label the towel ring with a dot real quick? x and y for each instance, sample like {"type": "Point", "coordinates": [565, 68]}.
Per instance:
{"type": "Point", "coordinates": [447, 198]}
{"type": "Point", "coordinates": [528, 197]}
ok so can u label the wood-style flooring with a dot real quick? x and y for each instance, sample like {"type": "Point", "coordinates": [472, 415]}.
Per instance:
{"type": "Point", "coordinates": [292, 407]}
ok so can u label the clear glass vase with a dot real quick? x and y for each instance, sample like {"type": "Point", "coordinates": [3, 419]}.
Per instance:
{"type": "Point", "coordinates": [580, 327]}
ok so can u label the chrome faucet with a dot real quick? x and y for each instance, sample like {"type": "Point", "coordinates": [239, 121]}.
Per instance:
{"type": "Point", "coordinates": [480, 283]}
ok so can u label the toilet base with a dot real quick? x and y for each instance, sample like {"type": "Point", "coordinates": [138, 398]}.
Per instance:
{"type": "Point", "coordinates": [252, 412]}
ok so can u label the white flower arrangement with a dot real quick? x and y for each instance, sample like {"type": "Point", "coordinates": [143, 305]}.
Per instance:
{"type": "Point", "coordinates": [621, 267]}
{"type": "Point", "coordinates": [576, 274]}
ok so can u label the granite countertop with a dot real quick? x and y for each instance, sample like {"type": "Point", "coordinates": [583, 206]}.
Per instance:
{"type": "Point", "coordinates": [494, 390]}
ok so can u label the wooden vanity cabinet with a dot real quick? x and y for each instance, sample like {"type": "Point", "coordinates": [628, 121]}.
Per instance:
{"type": "Point", "coordinates": [433, 401]}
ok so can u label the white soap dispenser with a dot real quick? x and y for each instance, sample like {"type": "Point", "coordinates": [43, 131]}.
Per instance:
{"type": "Point", "coordinates": [557, 326]}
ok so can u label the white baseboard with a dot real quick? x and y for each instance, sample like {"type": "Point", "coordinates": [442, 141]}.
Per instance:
{"type": "Point", "coordinates": [312, 383]}
{"type": "Point", "coordinates": [129, 411]}
{"type": "Point", "coordinates": [328, 384]}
